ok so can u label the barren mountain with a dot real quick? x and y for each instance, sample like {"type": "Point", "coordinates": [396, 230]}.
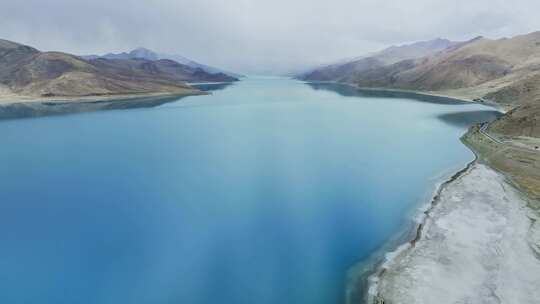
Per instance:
{"type": "Point", "coordinates": [349, 70]}
{"type": "Point", "coordinates": [521, 121]}
{"type": "Point", "coordinates": [343, 72]}
{"type": "Point", "coordinates": [144, 53]}
{"type": "Point", "coordinates": [506, 71]}
{"type": "Point", "coordinates": [27, 72]}
{"type": "Point", "coordinates": [420, 49]}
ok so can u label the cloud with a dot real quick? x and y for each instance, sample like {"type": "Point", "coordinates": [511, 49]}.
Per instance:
{"type": "Point", "coordinates": [257, 36]}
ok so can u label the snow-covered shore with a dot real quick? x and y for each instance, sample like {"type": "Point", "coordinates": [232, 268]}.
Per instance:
{"type": "Point", "coordinates": [478, 244]}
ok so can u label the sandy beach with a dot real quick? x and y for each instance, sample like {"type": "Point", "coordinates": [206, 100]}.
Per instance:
{"type": "Point", "coordinates": [479, 243]}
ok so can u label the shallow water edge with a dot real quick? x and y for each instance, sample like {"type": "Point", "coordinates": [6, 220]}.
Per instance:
{"type": "Point", "coordinates": [364, 277]}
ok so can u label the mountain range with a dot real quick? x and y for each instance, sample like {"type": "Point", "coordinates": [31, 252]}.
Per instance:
{"type": "Point", "coordinates": [26, 73]}
{"type": "Point", "coordinates": [505, 72]}
{"type": "Point", "coordinates": [144, 53]}
{"type": "Point", "coordinates": [347, 70]}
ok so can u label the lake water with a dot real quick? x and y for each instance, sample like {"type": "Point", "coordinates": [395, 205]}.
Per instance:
{"type": "Point", "coordinates": [267, 191]}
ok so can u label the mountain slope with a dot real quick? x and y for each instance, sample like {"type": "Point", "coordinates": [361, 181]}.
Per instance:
{"type": "Point", "coordinates": [505, 71]}
{"type": "Point", "coordinates": [349, 70]}
{"type": "Point", "coordinates": [27, 72]}
{"type": "Point", "coordinates": [521, 121]}
{"type": "Point", "coordinates": [473, 63]}
{"type": "Point", "coordinates": [143, 53]}
{"type": "Point", "coordinates": [163, 67]}
{"type": "Point", "coordinates": [343, 72]}
{"type": "Point", "coordinates": [420, 49]}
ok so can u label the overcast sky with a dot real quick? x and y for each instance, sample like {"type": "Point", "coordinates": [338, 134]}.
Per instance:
{"type": "Point", "coordinates": [257, 36]}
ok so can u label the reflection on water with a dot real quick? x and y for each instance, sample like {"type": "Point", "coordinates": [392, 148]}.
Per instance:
{"type": "Point", "coordinates": [346, 90]}
{"type": "Point", "coordinates": [209, 87]}
{"type": "Point", "coordinates": [39, 109]}
{"type": "Point", "coordinates": [469, 118]}
{"type": "Point", "coordinates": [459, 119]}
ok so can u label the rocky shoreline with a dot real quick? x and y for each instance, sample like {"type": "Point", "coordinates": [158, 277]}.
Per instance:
{"type": "Point", "coordinates": [478, 242]}
{"type": "Point", "coordinates": [378, 270]}
{"type": "Point", "coordinates": [417, 270]}
{"type": "Point", "coordinates": [515, 169]}
{"type": "Point", "coordinates": [365, 276]}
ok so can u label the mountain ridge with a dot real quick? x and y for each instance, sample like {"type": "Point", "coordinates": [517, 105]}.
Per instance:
{"type": "Point", "coordinates": [500, 70]}
{"type": "Point", "coordinates": [26, 72]}
{"type": "Point", "coordinates": [144, 53]}
{"type": "Point", "coordinates": [504, 71]}
{"type": "Point", "coordinates": [344, 70]}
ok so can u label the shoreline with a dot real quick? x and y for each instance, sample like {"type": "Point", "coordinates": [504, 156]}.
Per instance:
{"type": "Point", "coordinates": [369, 271]}
{"type": "Point", "coordinates": [41, 108]}
{"type": "Point", "coordinates": [419, 222]}
{"type": "Point", "coordinates": [367, 276]}
{"type": "Point", "coordinates": [17, 99]}
{"type": "Point", "coordinates": [461, 99]}
{"type": "Point", "coordinates": [365, 271]}
{"type": "Point", "coordinates": [397, 272]}
{"type": "Point", "coordinates": [424, 93]}
{"type": "Point", "coordinates": [14, 106]}
{"type": "Point", "coordinates": [400, 244]}
{"type": "Point", "coordinates": [475, 246]}
{"type": "Point", "coordinates": [215, 82]}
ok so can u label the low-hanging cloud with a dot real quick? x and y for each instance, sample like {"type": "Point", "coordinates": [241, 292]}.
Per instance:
{"type": "Point", "coordinates": [257, 36]}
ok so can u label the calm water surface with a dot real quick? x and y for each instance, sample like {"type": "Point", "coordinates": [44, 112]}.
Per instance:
{"type": "Point", "coordinates": [267, 191]}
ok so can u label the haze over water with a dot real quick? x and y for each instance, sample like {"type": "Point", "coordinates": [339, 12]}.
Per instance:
{"type": "Point", "coordinates": [267, 191]}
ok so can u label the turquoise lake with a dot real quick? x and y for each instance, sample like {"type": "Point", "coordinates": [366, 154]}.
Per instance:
{"type": "Point", "coordinates": [266, 191]}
